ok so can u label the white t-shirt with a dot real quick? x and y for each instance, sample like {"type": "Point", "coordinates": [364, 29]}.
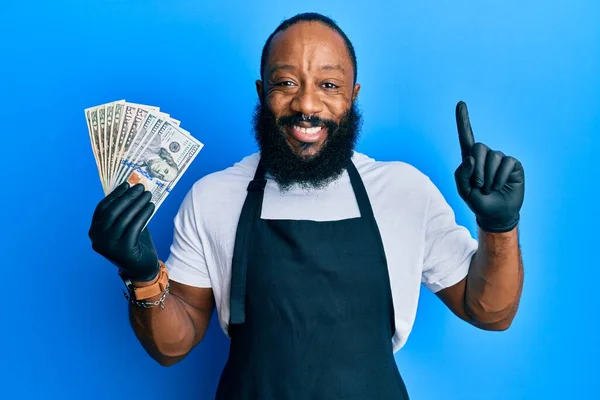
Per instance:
{"type": "Point", "coordinates": [422, 242]}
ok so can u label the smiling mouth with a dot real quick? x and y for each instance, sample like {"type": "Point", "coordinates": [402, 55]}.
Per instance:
{"type": "Point", "coordinates": [306, 135]}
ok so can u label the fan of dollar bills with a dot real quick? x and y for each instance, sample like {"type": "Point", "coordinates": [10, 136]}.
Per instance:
{"type": "Point", "coordinates": [139, 144]}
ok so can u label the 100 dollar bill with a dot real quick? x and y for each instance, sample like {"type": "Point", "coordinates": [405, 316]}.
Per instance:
{"type": "Point", "coordinates": [162, 161]}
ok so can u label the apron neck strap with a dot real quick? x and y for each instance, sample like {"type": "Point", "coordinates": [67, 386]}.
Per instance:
{"type": "Point", "coordinates": [259, 182]}
{"type": "Point", "coordinates": [362, 198]}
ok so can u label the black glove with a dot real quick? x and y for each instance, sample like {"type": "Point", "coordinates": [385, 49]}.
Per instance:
{"type": "Point", "coordinates": [492, 184]}
{"type": "Point", "coordinates": [116, 232]}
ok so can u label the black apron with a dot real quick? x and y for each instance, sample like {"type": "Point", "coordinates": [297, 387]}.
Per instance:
{"type": "Point", "coordinates": [312, 316]}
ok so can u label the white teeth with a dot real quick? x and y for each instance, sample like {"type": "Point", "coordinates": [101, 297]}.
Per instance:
{"type": "Point", "coordinates": [308, 131]}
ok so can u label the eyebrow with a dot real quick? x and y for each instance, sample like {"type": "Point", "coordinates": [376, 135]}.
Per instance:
{"type": "Point", "coordinates": [336, 67]}
{"type": "Point", "coordinates": [326, 67]}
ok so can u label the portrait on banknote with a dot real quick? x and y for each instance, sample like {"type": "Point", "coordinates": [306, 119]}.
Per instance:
{"type": "Point", "coordinates": [157, 161]}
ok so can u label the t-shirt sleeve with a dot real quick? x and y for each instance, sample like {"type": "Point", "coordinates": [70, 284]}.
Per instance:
{"type": "Point", "coordinates": [186, 262]}
{"type": "Point", "coordinates": [449, 247]}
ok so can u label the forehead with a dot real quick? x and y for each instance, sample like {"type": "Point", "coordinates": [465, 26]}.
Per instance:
{"type": "Point", "coordinates": [308, 44]}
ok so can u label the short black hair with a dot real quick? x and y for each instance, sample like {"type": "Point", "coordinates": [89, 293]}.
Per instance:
{"type": "Point", "coordinates": [308, 17]}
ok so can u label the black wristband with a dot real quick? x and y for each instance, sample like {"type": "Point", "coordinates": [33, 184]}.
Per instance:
{"type": "Point", "coordinates": [497, 226]}
{"type": "Point", "coordinates": [141, 278]}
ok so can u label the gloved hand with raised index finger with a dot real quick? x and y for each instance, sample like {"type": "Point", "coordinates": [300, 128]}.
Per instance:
{"type": "Point", "coordinates": [117, 232]}
{"type": "Point", "coordinates": [492, 184]}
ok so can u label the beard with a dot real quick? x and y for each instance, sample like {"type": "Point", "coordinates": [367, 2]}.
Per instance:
{"type": "Point", "coordinates": [309, 172]}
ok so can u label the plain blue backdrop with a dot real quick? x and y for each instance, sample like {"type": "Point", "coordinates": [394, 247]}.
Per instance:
{"type": "Point", "coordinates": [527, 70]}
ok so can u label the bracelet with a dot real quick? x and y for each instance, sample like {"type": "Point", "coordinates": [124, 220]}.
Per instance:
{"type": "Point", "coordinates": [149, 304]}
{"type": "Point", "coordinates": [138, 295]}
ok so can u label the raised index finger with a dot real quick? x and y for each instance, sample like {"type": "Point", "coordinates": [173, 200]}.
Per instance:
{"type": "Point", "coordinates": [465, 133]}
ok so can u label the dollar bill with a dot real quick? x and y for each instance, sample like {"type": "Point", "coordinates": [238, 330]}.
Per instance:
{"type": "Point", "coordinates": [164, 160]}
{"type": "Point", "coordinates": [108, 133]}
{"type": "Point", "coordinates": [184, 160]}
{"type": "Point", "coordinates": [95, 133]}
{"type": "Point", "coordinates": [114, 148]}
{"type": "Point", "coordinates": [102, 132]}
{"type": "Point", "coordinates": [124, 140]}
{"type": "Point", "coordinates": [93, 129]}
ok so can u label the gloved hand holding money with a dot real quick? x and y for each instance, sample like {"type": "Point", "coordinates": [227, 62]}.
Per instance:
{"type": "Point", "coordinates": [139, 144]}
{"type": "Point", "coordinates": [141, 153]}
{"type": "Point", "coordinates": [117, 232]}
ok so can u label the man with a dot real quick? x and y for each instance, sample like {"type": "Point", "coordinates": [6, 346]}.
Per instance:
{"type": "Point", "coordinates": [314, 253]}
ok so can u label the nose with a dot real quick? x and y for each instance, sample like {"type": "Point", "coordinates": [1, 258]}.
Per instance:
{"type": "Point", "coordinates": [307, 101]}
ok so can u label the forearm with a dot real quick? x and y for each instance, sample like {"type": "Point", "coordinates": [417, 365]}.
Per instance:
{"type": "Point", "coordinates": [495, 280]}
{"type": "Point", "coordinates": [166, 334]}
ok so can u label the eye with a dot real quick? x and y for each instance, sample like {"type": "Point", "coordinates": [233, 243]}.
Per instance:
{"type": "Point", "coordinates": [284, 83]}
{"type": "Point", "coordinates": [329, 85]}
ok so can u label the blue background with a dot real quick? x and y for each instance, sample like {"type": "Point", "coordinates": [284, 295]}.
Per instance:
{"type": "Point", "coordinates": [527, 70]}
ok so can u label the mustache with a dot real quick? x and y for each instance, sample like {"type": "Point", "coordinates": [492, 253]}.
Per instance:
{"type": "Point", "coordinates": [313, 121]}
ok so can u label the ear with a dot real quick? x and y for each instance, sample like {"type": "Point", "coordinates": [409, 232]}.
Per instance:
{"type": "Point", "coordinates": [355, 92]}
{"type": "Point", "coordinates": [259, 89]}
